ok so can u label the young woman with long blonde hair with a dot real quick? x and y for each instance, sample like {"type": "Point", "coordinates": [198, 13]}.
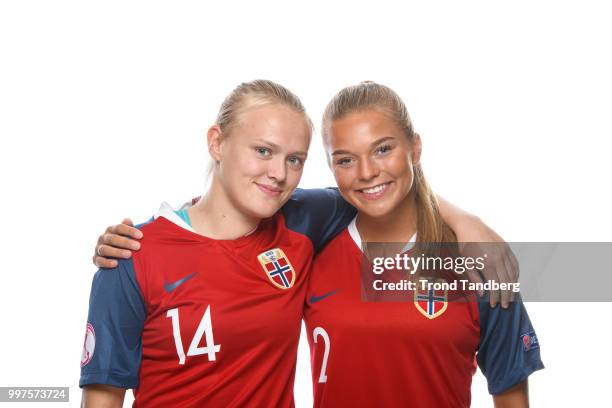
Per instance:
{"type": "Point", "coordinates": [419, 350]}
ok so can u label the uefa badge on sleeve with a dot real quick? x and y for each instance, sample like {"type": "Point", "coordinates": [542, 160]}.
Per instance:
{"type": "Point", "coordinates": [89, 345]}
{"type": "Point", "coordinates": [529, 341]}
{"type": "Point", "coordinates": [430, 301]}
{"type": "Point", "coordinates": [277, 267]}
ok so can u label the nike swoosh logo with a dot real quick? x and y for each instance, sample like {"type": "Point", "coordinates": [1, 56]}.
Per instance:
{"type": "Point", "coordinates": [315, 299]}
{"type": "Point", "coordinates": [169, 287]}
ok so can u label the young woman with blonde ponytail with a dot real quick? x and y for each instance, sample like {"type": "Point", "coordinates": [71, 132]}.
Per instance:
{"type": "Point", "coordinates": [418, 350]}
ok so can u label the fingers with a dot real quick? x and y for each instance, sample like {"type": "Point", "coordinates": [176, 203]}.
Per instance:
{"type": "Point", "coordinates": [101, 262]}
{"type": "Point", "coordinates": [515, 265]}
{"type": "Point", "coordinates": [501, 276]}
{"type": "Point", "coordinates": [120, 241]}
{"type": "Point", "coordinates": [474, 276]}
{"type": "Point", "coordinates": [515, 272]}
{"type": "Point", "coordinates": [508, 295]}
{"type": "Point", "coordinates": [127, 221]}
{"type": "Point", "coordinates": [508, 273]}
{"type": "Point", "coordinates": [494, 297]}
{"type": "Point", "coordinates": [491, 273]}
{"type": "Point", "coordinates": [106, 251]}
{"type": "Point", "coordinates": [104, 255]}
{"type": "Point", "coordinates": [501, 267]}
{"type": "Point", "coordinates": [473, 250]}
{"type": "Point", "coordinates": [125, 230]}
{"type": "Point", "coordinates": [117, 242]}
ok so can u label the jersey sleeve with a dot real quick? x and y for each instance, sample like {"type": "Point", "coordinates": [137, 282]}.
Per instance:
{"type": "Point", "coordinates": [320, 214]}
{"type": "Point", "coordinates": [113, 347]}
{"type": "Point", "coordinates": [509, 350]}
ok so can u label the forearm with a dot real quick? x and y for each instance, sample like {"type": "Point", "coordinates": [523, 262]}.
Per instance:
{"type": "Point", "coordinates": [515, 397]}
{"type": "Point", "coordinates": [102, 396]}
{"type": "Point", "coordinates": [452, 215]}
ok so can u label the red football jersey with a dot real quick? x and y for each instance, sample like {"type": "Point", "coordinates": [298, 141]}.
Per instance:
{"type": "Point", "coordinates": [194, 322]}
{"type": "Point", "coordinates": [400, 354]}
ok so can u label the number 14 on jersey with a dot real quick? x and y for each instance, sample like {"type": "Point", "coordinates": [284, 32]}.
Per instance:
{"type": "Point", "coordinates": [204, 328]}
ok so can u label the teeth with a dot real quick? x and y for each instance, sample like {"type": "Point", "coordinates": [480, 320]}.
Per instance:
{"type": "Point", "coordinates": [374, 190]}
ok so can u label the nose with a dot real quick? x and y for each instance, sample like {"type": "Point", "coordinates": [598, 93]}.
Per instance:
{"type": "Point", "coordinates": [368, 169]}
{"type": "Point", "coordinates": [277, 169]}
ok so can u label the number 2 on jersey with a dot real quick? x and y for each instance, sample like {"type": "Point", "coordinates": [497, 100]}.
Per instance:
{"type": "Point", "coordinates": [319, 331]}
{"type": "Point", "coordinates": [204, 328]}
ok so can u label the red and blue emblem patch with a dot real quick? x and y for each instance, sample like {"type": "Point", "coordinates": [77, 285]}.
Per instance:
{"type": "Point", "coordinates": [431, 303]}
{"type": "Point", "coordinates": [529, 341]}
{"type": "Point", "coordinates": [277, 267]}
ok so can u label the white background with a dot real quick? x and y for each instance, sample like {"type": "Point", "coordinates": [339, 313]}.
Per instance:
{"type": "Point", "coordinates": [103, 109]}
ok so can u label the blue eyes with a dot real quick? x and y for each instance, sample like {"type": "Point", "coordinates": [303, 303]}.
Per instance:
{"type": "Point", "coordinates": [265, 152]}
{"type": "Point", "coordinates": [383, 149]}
{"type": "Point", "coordinates": [295, 161]}
{"type": "Point", "coordinates": [379, 151]}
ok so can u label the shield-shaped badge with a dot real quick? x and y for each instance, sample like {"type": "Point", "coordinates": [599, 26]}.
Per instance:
{"type": "Point", "coordinates": [431, 302]}
{"type": "Point", "coordinates": [277, 267]}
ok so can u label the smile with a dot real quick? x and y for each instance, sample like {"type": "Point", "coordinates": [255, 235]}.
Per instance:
{"type": "Point", "coordinates": [269, 190]}
{"type": "Point", "coordinates": [375, 192]}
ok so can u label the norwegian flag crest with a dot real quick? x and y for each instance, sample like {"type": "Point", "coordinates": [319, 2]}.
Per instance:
{"type": "Point", "coordinates": [277, 267]}
{"type": "Point", "coordinates": [431, 303]}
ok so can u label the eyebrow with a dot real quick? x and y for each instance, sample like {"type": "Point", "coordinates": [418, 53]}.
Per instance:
{"type": "Point", "coordinates": [374, 143]}
{"type": "Point", "coordinates": [277, 147]}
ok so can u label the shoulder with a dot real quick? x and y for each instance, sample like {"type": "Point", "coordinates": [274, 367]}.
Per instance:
{"type": "Point", "coordinates": [319, 214]}
{"type": "Point", "coordinates": [319, 198]}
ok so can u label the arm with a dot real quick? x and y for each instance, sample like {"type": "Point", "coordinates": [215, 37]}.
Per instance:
{"type": "Point", "coordinates": [102, 396]}
{"type": "Point", "coordinates": [319, 213]}
{"type": "Point", "coordinates": [467, 227]}
{"type": "Point", "coordinates": [476, 239]}
{"type": "Point", "coordinates": [508, 352]}
{"type": "Point", "coordinates": [453, 215]}
{"type": "Point", "coordinates": [515, 397]}
{"type": "Point", "coordinates": [112, 349]}
{"type": "Point", "coordinates": [118, 242]}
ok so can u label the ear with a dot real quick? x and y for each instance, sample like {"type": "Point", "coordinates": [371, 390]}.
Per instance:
{"type": "Point", "coordinates": [416, 149]}
{"type": "Point", "coordinates": [214, 137]}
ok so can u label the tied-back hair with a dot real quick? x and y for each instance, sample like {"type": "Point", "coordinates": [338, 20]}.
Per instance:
{"type": "Point", "coordinates": [431, 229]}
{"type": "Point", "coordinates": [257, 93]}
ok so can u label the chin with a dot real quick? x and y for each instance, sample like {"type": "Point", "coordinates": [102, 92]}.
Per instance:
{"type": "Point", "coordinates": [375, 210]}
{"type": "Point", "coordinates": [261, 210]}
{"type": "Point", "coordinates": [267, 214]}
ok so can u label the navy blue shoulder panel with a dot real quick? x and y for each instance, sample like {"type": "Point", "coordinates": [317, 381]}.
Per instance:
{"type": "Point", "coordinates": [509, 350]}
{"type": "Point", "coordinates": [320, 214]}
{"type": "Point", "coordinates": [150, 220]}
{"type": "Point", "coordinates": [116, 319]}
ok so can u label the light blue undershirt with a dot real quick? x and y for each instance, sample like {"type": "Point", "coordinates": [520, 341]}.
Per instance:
{"type": "Point", "coordinates": [184, 216]}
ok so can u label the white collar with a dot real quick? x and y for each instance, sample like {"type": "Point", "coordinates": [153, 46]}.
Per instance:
{"type": "Point", "coordinates": [354, 233]}
{"type": "Point", "coordinates": [168, 213]}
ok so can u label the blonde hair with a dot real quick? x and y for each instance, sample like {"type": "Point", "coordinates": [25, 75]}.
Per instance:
{"type": "Point", "coordinates": [367, 95]}
{"type": "Point", "coordinates": [257, 93]}
{"type": "Point", "coordinates": [253, 94]}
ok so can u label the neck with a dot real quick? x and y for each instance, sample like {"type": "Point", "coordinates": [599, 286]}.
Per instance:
{"type": "Point", "coordinates": [215, 216]}
{"type": "Point", "coordinates": [397, 226]}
